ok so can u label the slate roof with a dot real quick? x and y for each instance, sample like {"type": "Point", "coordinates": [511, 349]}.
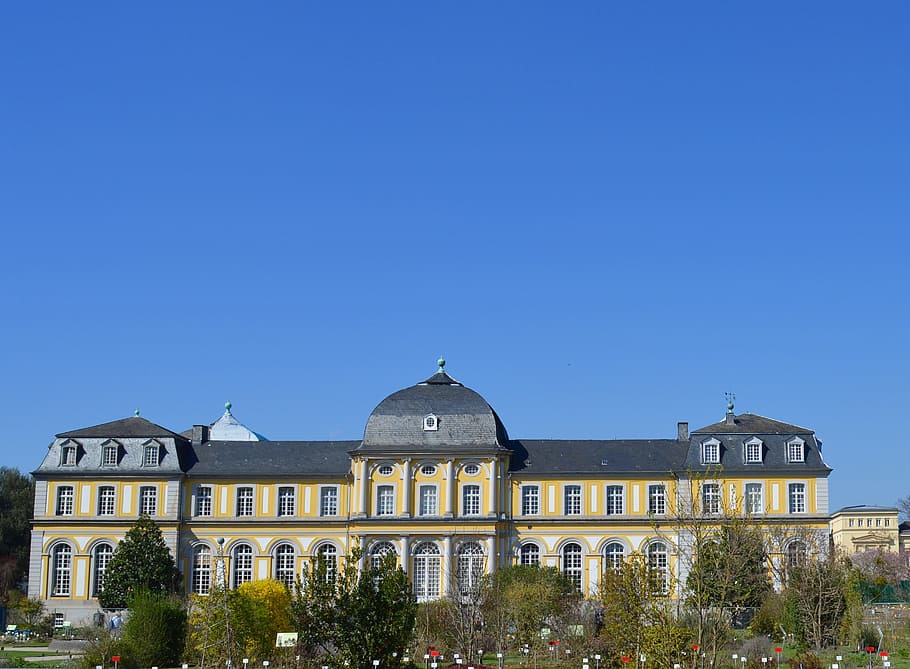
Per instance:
{"type": "Point", "coordinates": [272, 458]}
{"type": "Point", "coordinates": [750, 423]}
{"type": "Point", "coordinates": [465, 420]}
{"type": "Point", "coordinates": [866, 508]}
{"type": "Point", "coordinates": [616, 456]}
{"type": "Point", "coordinates": [134, 426]}
{"type": "Point", "coordinates": [774, 436]}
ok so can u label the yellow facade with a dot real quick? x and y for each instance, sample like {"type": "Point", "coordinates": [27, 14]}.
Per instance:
{"type": "Point", "coordinates": [436, 480]}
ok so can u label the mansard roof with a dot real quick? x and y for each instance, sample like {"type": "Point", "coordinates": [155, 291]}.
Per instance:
{"type": "Point", "coordinates": [134, 426]}
{"type": "Point", "coordinates": [284, 459]}
{"type": "Point", "coordinates": [655, 457]}
{"type": "Point", "coordinates": [464, 420]}
{"type": "Point", "coordinates": [750, 423]}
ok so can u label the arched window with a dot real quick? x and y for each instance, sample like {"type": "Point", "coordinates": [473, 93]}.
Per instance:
{"type": "Point", "coordinates": [426, 571]}
{"type": "Point", "coordinates": [61, 570]}
{"type": "Point", "coordinates": [572, 563]}
{"type": "Point", "coordinates": [529, 554]}
{"type": "Point", "coordinates": [378, 553]}
{"type": "Point", "coordinates": [614, 553]}
{"type": "Point", "coordinates": [243, 564]}
{"type": "Point", "coordinates": [659, 567]}
{"type": "Point", "coordinates": [470, 567]}
{"type": "Point", "coordinates": [797, 554]}
{"type": "Point", "coordinates": [102, 556]}
{"type": "Point", "coordinates": [285, 557]}
{"type": "Point", "coordinates": [202, 570]}
{"type": "Point", "coordinates": [327, 555]}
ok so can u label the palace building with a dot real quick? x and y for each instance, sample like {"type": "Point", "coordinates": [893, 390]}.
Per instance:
{"type": "Point", "coordinates": [436, 480]}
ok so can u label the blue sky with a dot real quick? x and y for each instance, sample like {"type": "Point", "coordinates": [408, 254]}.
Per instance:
{"type": "Point", "coordinates": [604, 215]}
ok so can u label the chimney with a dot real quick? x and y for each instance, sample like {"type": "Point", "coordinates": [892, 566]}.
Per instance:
{"type": "Point", "coordinates": [682, 431]}
{"type": "Point", "coordinates": [200, 434]}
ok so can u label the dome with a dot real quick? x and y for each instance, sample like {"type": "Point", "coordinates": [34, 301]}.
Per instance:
{"type": "Point", "coordinates": [437, 414]}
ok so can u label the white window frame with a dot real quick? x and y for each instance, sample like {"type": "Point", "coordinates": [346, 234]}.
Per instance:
{"type": "Point", "coordinates": [101, 557]}
{"type": "Point", "coordinates": [796, 450]}
{"type": "Point", "coordinates": [428, 470]}
{"type": "Point", "coordinates": [574, 506]}
{"type": "Point", "coordinates": [61, 570]}
{"type": "Point", "coordinates": [471, 469]}
{"type": "Point", "coordinates": [753, 451]}
{"type": "Point", "coordinates": [204, 501]}
{"type": "Point", "coordinates": [658, 560]}
{"type": "Point", "coordinates": [529, 554]}
{"type": "Point", "coordinates": [151, 454]}
{"type": "Point", "coordinates": [245, 505]}
{"type": "Point", "coordinates": [242, 559]}
{"type": "Point", "coordinates": [431, 422]}
{"type": "Point", "coordinates": [281, 570]}
{"type": "Point", "coordinates": [107, 504]}
{"type": "Point", "coordinates": [573, 562]}
{"type": "Point", "coordinates": [325, 493]}
{"type": "Point", "coordinates": [469, 565]}
{"type": "Point", "coordinates": [710, 451]}
{"type": "Point", "coordinates": [385, 469]}
{"type": "Point", "coordinates": [748, 501]}
{"type": "Point", "coordinates": [711, 494]}
{"type": "Point", "coordinates": [471, 496]}
{"type": "Point", "coordinates": [657, 499]}
{"type": "Point", "coordinates": [795, 499]}
{"type": "Point", "coordinates": [65, 504]}
{"type": "Point", "coordinates": [148, 499]}
{"type": "Point", "coordinates": [108, 448]}
{"type": "Point", "coordinates": [614, 504]}
{"type": "Point", "coordinates": [530, 499]}
{"type": "Point", "coordinates": [379, 551]}
{"type": "Point", "coordinates": [201, 577]}
{"type": "Point", "coordinates": [381, 509]}
{"type": "Point", "coordinates": [613, 559]}
{"type": "Point", "coordinates": [281, 510]}
{"type": "Point", "coordinates": [69, 454]}
{"type": "Point", "coordinates": [427, 565]}
{"type": "Point", "coordinates": [426, 491]}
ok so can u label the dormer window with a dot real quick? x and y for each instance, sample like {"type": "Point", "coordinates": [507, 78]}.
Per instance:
{"type": "Point", "coordinates": [796, 450]}
{"type": "Point", "coordinates": [753, 451]}
{"type": "Point", "coordinates": [151, 455]}
{"type": "Point", "coordinates": [710, 452]}
{"type": "Point", "coordinates": [430, 423]}
{"type": "Point", "coordinates": [68, 455]}
{"type": "Point", "coordinates": [110, 454]}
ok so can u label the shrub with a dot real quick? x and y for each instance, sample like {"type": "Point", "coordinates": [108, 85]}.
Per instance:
{"type": "Point", "coordinates": [155, 630]}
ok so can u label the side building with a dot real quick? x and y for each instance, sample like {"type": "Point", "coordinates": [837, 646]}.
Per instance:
{"type": "Point", "coordinates": [436, 480]}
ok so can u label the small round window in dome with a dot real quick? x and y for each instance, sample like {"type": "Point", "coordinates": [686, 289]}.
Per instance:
{"type": "Point", "coordinates": [430, 423]}
{"type": "Point", "coordinates": [385, 470]}
{"type": "Point", "coordinates": [472, 470]}
{"type": "Point", "coordinates": [428, 470]}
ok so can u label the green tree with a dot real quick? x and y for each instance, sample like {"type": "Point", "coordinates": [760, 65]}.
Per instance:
{"type": "Point", "coordinates": [141, 562]}
{"type": "Point", "coordinates": [356, 616]}
{"type": "Point", "coordinates": [636, 619]}
{"type": "Point", "coordinates": [17, 498]}
{"type": "Point", "coordinates": [155, 629]}
{"type": "Point", "coordinates": [525, 599]}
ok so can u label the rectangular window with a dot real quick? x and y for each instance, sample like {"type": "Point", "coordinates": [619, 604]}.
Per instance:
{"type": "Point", "coordinates": [851, 522]}
{"type": "Point", "coordinates": [203, 501]}
{"type": "Point", "coordinates": [428, 500]}
{"type": "Point", "coordinates": [244, 501]}
{"type": "Point", "coordinates": [148, 501]}
{"type": "Point", "coordinates": [614, 500]}
{"type": "Point", "coordinates": [796, 452]}
{"type": "Point", "coordinates": [797, 497]}
{"type": "Point", "coordinates": [287, 501]}
{"type": "Point", "coordinates": [710, 452]}
{"type": "Point", "coordinates": [66, 495]}
{"type": "Point", "coordinates": [753, 451]}
{"type": "Point", "coordinates": [572, 500]}
{"type": "Point", "coordinates": [385, 501]}
{"type": "Point", "coordinates": [530, 500]}
{"type": "Point", "coordinates": [887, 522]}
{"type": "Point", "coordinates": [878, 522]}
{"type": "Point", "coordinates": [106, 500]}
{"type": "Point", "coordinates": [69, 456]}
{"type": "Point", "coordinates": [868, 522]}
{"type": "Point", "coordinates": [328, 501]}
{"type": "Point", "coordinates": [470, 500]}
{"type": "Point", "coordinates": [755, 502]}
{"type": "Point", "coordinates": [110, 456]}
{"type": "Point", "coordinates": [710, 498]}
{"type": "Point", "coordinates": [657, 499]}
{"type": "Point", "coordinates": [150, 458]}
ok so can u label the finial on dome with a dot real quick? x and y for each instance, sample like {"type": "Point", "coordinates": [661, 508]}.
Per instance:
{"type": "Point", "coordinates": [227, 406]}
{"type": "Point", "coordinates": [137, 413]}
{"type": "Point", "coordinates": [442, 364]}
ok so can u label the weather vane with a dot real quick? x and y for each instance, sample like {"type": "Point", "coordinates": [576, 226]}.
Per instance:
{"type": "Point", "coordinates": [731, 398]}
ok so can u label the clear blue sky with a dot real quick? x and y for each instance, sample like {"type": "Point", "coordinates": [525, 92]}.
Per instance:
{"type": "Point", "coordinates": [605, 215]}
